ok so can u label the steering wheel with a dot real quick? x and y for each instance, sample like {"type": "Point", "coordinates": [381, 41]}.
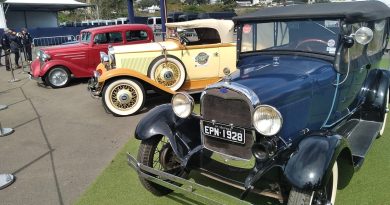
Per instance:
{"type": "Point", "coordinates": [184, 39]}
{"type": "Point", "coordinates": [311, 40]}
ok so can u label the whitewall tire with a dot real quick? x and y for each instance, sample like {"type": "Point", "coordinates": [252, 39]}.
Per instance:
{"type": "Point", "coordinates": [169, 73]}
{"type": "Point", "coordinates": [123, 97]}
{"type": "Point", "coordinates": [299, 197]}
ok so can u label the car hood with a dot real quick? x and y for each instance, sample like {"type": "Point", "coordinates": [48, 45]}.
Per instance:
{"type": "Point", "coordinates": [146, 47]}
{"type": "Point", "coordinates": [277, 78]}
{"type": "Point", "coordinates": [64, 48]}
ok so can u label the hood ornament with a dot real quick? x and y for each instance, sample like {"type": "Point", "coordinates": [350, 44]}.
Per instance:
{"type": "Point", "coordinates": [226, 72]}
{"type": "Point", "coordinates": [276, 61]}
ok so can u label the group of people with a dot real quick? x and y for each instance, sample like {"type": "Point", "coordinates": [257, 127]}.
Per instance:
{"type": "Point", "coordinates": [15, 42]}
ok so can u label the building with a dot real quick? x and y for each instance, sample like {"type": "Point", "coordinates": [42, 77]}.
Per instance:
{"type": "Point", "coordinates": [34, 13]}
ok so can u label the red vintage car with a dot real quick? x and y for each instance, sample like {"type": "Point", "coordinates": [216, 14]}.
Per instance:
{"type": "Point", "coordinates": [56, 65]}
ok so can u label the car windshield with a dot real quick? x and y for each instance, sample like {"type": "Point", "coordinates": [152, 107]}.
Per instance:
{"type": "Point", "coordinates": [85, 37]}
{"type": "Point", "coordinates": [314, 36]}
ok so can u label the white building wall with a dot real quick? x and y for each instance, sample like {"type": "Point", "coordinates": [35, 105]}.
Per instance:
{"type": "Point", "coordinates": [31, 19]}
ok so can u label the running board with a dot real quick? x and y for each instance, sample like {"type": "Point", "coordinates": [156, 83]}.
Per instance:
{"type": "Point", "coordinates": [360, 139]}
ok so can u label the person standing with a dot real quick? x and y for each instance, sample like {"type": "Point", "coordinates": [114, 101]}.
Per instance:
{"type": "Point", "coordinates": [6, 46]}
{"type": "Point", "coordinates": [14, 39]}
{"type": "Point", "coordinates": [26, 43]}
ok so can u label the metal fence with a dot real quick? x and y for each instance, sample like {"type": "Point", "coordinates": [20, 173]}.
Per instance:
{"type": "Point", "coordinates": [54, 40]}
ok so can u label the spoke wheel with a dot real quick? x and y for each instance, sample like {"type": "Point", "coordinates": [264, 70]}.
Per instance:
{"type": "Point", "coordinates": [386, 110]}
{"type": "Point", "coordinates": [123, 97]}
{"type": "Point", "coordinates": [58, 77]}
{"type": "Point", "coordinates": [324, 196]}
{"type": "Point", "coordinates": [169, 73]}
{"type": "Point", "coordinates": [157, 153]}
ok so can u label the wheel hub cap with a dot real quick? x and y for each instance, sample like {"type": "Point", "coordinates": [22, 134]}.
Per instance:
{"type": "Point", "coordinates": [124, 96]}
{"type": "Point", "coordinates": [167, 74]}
{"type": "Point", "coordinates": [59, 78]}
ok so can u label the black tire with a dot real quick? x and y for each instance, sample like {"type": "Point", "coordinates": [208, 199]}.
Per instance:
{"type": "Point", "coordinates": [300, 197]}
{"type": "Point", "coordinates": [57, 77]}
{"type": "Point", "coordinates": [146, 156]}
{"type": "Point", "coordinates": [131, 89]}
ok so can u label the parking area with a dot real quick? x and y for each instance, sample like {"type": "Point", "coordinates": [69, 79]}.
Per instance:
{"type": "Point", "coordinates": [63, 139]}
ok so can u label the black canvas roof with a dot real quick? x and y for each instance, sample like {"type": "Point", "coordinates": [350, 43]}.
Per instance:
{"type": "Point", "coordinates": [350, 11]}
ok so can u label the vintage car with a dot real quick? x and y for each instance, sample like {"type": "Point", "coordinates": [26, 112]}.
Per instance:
{"type": "Point", "coordinates": [193, 56]}
{"type": "Point", "coordinates": [296, 119]}
{"type": "Point", "coordinates": [55, 65]}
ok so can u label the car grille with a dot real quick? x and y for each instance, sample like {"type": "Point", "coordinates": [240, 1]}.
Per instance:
{"type": "Point", "coordinates": [228, 108]}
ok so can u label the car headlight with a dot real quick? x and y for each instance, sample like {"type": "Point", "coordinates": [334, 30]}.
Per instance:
{"type": "Point", "coordinates": [182, 104]}
{"type": "Point", "coordinates": [103, 57]}
{"type": "Point", "coordinates": [45, 57]}
{"type": "Point", "coordinates": [267, 120]}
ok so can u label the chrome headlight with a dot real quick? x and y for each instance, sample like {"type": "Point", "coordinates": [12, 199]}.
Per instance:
{"type": "Point", "coordinates": [45, 56]}
{"type": "Point", "coordinates": [182, 104]}
{"type": "Point", "coordinates": [103, 57]}
{"type": "Point", "coordinates": [267, 120]}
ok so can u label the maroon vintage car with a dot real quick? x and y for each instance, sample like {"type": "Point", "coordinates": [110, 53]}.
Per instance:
{"type": "Point", "coordinates": [56, 65]}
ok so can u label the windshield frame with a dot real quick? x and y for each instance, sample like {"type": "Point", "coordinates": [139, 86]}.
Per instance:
{"type": "Point", "coordinates": [88, 38]}
{"type": "Point", "coordinates": [323, 55]}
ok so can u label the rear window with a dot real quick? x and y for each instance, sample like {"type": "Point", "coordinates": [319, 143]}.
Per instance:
{"type": "Point", "coordinates": [150, 21]}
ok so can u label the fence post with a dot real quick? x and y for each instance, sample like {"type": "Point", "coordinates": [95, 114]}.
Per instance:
{"type": "Point", "coordinates": [5, 131]}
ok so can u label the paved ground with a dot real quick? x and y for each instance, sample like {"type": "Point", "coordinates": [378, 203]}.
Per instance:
{"type": "Point", "coordinates": [63, 139]}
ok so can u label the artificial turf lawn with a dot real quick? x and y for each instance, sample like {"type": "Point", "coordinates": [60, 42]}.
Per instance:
{"type": "Point", "coordinates": [119, 184]}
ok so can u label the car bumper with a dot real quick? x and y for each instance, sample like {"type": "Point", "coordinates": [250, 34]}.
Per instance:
{"type": "Point", "coordinates": [94, 86]}
{"type": "Point", "coordinates": [178, 184]}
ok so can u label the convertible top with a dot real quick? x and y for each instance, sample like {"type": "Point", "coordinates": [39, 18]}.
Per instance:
{"type": "Point", "coordinates": [225, 28]}
{"type": "Point", "coordinates": [350, 11]}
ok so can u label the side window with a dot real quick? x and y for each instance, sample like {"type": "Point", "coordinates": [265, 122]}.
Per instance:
{"type": "Point", "coordinates": [115, 37]}
{"type": "Point", "coordinates": [103, 38]}
{"type": "Point", "coordinates": [376, 45]}
{"type": "Point", "coordinates": [100, 38]}
{"type": "Point", "coordinates": [136, 35]}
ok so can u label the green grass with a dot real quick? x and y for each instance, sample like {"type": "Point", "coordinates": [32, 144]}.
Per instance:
{"type": "Point", "coordinates": [119, 184]}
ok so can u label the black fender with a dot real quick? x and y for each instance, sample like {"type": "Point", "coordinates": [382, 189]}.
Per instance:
{"type": "Point", "coordinates": [183, 134]}
{"type": "Point", "coordinates": [310, 166]}
{"type": "Point", "coordinates": [375, 92]}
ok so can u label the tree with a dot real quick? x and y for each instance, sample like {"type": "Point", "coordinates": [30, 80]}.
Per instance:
{"type": "Point", "coordinates": [148, 3]}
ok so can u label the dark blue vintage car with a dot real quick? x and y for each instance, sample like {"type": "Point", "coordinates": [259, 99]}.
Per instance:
{"type": "Point", "coordinates": [294, 122]}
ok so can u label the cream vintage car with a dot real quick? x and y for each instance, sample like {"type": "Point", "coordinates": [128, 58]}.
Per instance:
{"type": "Point", "coordinates": [195, 54]}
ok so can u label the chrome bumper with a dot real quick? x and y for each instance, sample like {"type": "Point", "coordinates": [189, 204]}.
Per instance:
{"type": "Point", "coordinates": [93, 86]}
{"type": "Point", "coordinates": [180, 185]}
{"type": "Point", "coordinates": [31, 77]}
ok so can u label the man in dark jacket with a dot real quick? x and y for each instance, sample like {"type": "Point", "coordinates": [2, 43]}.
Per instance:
{"type": "Point", "coordinates": [26, 43]}
{"type": "Point", "coordinates": [15, 43]}
{"type": "Point", "coordinates": [5, 44]}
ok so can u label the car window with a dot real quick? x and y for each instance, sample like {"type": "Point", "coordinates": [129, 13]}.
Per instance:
{"type": "Point", "coordinates": [85, 37]}
{"type": "Point", "coordinates": [158, 20]}
{"type": "Point", "coordinates": [112, 37]}
{"type": "Point", "coordinates": [314, 36]}
{"type": "Point", "coordinates": [136, 35]}
{"type": "Point", "coordinates": [150, 21]}
{"type": "Point", "coordinates": [377, 44]}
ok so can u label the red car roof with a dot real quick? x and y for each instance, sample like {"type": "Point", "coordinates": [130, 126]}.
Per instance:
{"type": "Point", "coordinates": [119, 27]}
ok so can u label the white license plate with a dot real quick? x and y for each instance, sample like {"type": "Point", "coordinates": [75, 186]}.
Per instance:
{"type": "Point", "coordinates": [224, 132]}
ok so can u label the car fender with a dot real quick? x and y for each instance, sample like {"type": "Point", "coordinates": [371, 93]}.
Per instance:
{"type": "Point", "coordinates": [125, 72]}
{"type": "Point", "coordinates": [183, 134]}
{"type": "Point", "coordinates": [76, 70]}
{"type": "Point", "coordinates": [310, 166]}
{"type": "Point", "coordinates": [376, 88]}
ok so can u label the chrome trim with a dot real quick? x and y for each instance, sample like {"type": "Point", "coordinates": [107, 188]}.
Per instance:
{"type": "Point", "coordinates": [247, 92]}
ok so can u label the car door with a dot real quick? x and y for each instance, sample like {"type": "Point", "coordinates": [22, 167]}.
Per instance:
{"type": "Point", "coordinates": [201, 61]}
{"type": "Point", "coordinates": [100, 42]}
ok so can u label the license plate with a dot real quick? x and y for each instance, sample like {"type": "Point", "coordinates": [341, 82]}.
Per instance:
{"type": "Point", "coordinates": [225, 132]}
